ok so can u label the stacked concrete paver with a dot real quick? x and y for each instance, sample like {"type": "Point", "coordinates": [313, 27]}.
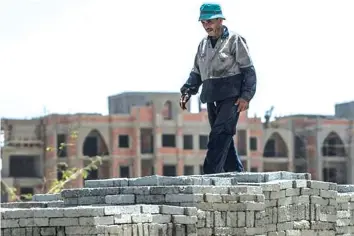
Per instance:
{"type": "Point", "coordinates": [277, 203]}
{"type": "Point", "coordinates": [101, 220]}
{"type": "Point", "coordinates": [345, 210]}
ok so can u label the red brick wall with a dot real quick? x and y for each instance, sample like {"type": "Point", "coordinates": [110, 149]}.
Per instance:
{"type": "Point", "coordinates": [143, 114]}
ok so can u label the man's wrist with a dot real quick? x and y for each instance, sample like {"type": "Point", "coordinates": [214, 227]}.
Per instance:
{"type": "Point", "coordinates": [185, 92]}
{"type": "Point", "coordinates": [246, 98]}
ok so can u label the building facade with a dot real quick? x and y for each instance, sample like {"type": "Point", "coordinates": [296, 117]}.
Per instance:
{"type": "Point", "coordinates": [151, 135]}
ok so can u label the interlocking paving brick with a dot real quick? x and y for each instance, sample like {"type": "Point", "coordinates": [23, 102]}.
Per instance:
{"type": "Point", "coordinates": [276, 203]}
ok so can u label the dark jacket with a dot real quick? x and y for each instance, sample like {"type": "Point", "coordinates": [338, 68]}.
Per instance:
{"type": "Point", "coordinates": [225, 70]}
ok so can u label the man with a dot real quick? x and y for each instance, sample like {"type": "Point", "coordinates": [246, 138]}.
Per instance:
{"type": "Point", "coordinates": [224, 67]}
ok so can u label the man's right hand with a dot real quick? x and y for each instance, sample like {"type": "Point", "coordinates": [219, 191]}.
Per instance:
{"type": "Point", "coordinates": [183, 101]}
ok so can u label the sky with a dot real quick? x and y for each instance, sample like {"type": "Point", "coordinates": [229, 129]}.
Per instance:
{"type": "Point", "coordinates": [68, 56]}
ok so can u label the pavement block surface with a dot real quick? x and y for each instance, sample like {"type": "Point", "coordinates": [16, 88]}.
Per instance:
{"type": "Point", "coordinates": [276, 203]}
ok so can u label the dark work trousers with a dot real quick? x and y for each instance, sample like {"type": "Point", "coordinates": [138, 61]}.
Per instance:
{"type": "Point", "coordinates": [222, 154]}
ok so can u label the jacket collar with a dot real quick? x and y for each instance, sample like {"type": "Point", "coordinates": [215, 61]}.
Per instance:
{"type": "Point", "coordinates": [225, 33]}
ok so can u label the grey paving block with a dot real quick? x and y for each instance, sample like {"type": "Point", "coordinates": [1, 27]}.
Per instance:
{"type": "Point", "coordinates": [114, 210]}
{"type": "Point", "coordinates": [345, 188]}
{"type": "Point", "coordinates": [14, 213]}
{"type": "Point", "coordinates": [83, 211]}
{"type": "Point", "coordinates": [121, 199]}
{"type": "Point", "coordinates": [123, 218]}
{"type": "Point", "coordinates": [171, 210]}
{"type": "Point", "coordinates": [46, 197]}
{"type": "Point", "coordinates": [55, 204]}
{"type": "Point", "coordinates": [24, 205]}
{"type": "Point", "coordinates": [65, 221]}
{"type": "Point", "coordinates": [116, 182]}
{"type": "Point", "coordinates": [88, 192]}
{"type": "Point", "coordinates": [97, 220]}
{"type": "Point", "coordinates": [150, 199]}
{"type": "Point", "coordinates": [314, 184]}
{"type": "Point", "coordinates": [152, 209]}
{"type": "Point", "coordinates": [33, 222]}
{"type": "Point", "coordinates": [185, 220]}
{"type": "Point", "coordinates": [141, 218]}
{"type": "Point", "coordinates": [181, 198]}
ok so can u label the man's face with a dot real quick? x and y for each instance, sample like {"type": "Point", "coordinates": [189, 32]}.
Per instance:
{"type": "Point", "coordinates": [212, 27]}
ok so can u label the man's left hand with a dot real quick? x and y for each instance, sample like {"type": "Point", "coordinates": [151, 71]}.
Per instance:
{"type": "Point", "coordinates": [183, 101]}
{"type": "Point", "coordinates": [242, 105]}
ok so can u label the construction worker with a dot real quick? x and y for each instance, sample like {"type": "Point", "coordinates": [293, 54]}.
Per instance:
{"type": "Point", "coordinates": [224, 66]}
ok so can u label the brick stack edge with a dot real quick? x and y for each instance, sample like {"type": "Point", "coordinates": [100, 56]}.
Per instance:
{"type": "Point", "coordinates": [276, 203]}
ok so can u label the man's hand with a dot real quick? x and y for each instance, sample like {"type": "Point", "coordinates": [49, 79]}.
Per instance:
{"type": "Point", "coordinates": [242, 105]}
{"type": "Point", "coordinates": [183, 101]}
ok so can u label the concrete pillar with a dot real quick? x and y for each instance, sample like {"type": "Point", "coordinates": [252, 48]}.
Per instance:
{"type": "Point", "coordinates": [180, 157]}
{"type": "Point", "coordinates": [260, 148]}
{"type": "Point", "coordinates": [248, 164]}
{"type": "Point", "coordinates": [5, 161]}
{"type": "Point", "coordinates": [179, 145]}
{"type": "Point", "coordinates": [158, 165]}
{"type": "Point", "coordinates": [137, 160]}
{"type": "Point", "coordinates": [115, 170]}
{"type": "Point", "coordinates": [248, 143]}
{"type": "Point", "coordinates": [291, 148]}
{"type": "Point", "coordinates": [319, 157]}
{"type": "Point", "coordinates": [180, 167]}
{"type": "Point", "coordinates": [195, 143]}
{"type": "Point", "coordinates": [350, 166]}
{"type": "Point", "coordinates": [248, 149]}
{"type": "Point", "coordinates": [196, 170]}
{"type": "Point", "coordinates": [157, 133]}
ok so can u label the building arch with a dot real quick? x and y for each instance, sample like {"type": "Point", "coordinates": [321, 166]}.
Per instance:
{"type": "Point", "coordinates": [335, 164]}
{"type": "Point", "coordinates": [275, 146]}
{"type": "Point", "coordinates": [333, 146]}
{"type": "Point", "coordinates": [167, 110]}
{"type": "Point", "coordinates": [94, 145]}
{"type": "Point", "coordinates": [299, 147]}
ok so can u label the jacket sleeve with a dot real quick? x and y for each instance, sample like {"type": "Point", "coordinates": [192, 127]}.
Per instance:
{"type": "Point", "coordinates": [191, 87]}
{"type": "Point", "coordinates": [243, 58]}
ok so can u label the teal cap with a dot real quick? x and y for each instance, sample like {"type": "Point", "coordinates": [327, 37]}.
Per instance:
{"type": "Point", "coordinates": [209, 11]}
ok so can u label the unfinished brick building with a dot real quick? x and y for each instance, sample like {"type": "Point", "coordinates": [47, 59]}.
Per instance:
{"type": "Point", "coordinates": [147, 133]}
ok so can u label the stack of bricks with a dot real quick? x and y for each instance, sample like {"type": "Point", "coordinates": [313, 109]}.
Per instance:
{"type": "Point", "coordinates": [39, 201]}
{"type": "Point", "coordinates": [286, 210]}
{"type": "Point", "coordinates": [232, 211]}
{"type": "Point", "coordinates": [323, 205]}
{"type": "Point", "coordinates": [101, 221]}
{"type": "Point", "coordinates": [224, 209]}
{"type": "Point", "coordinates": [345, 210]}
{"type": "Point", "coordinates": [299, 207]}
{"type": "Point", "coordinates": [277, 203]}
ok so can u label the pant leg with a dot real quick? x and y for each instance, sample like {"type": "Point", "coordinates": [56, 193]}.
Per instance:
{"type": "Point", "coordinates": [211, 108]}
{"type": "Point", "coordinates": [233, 162]}
{"type": "Point", "coordinates": [220, 138]}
